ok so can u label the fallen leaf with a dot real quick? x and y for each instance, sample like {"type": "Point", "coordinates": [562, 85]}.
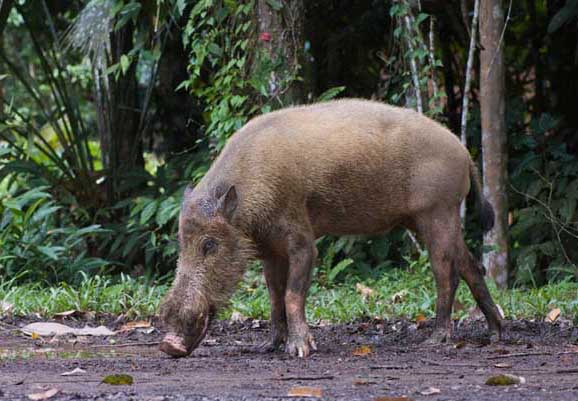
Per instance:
{"type": "Point", "coordinates": [56, 329]}
{"type": "Point", "coordinates": [430, 391]}
{"type": "Point", "coordinates": [505, 380]}
{"type": "Point", "coordinates": [34, 335]}
{"type": "Point", "coordinates": [420, 320]}
{"type": "Point", "coordinates": [68, 313]}
{"type": "Point", "coordinates": [143, 330]}
{"type": "Point", "coordinates": [74, 372]}
{"type": "Point", "coordinates": [399, 296]}
{"type": "Point", "coordinates": [44, 395]}
{"type": "Point", "coordinates": [237, 316]}
{"type": "Point", "coordinates": [503, 365]}
{"type": "Point", "coordinates": [5, 308]}
{"type": "Point", "coordinates": [553, 315]}
{"type": "Point", "coordinates": [363, 382]}
{"type": "Point", "coordinates": [364, 291]}
{"type": "Point", "coordinates": [118, 380]}
{"type": "Point", "coordinates": [362, 350]}
{"type": "Point", "coordinates": [139, 324]}
{"type": "Point", "coordinates": [460, 345]}
{"type": "Point", "coordinates": [305, 392]}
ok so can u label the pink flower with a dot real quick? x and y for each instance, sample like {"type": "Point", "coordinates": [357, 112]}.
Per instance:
{"type": "Point", "coordinates": [265, 37]}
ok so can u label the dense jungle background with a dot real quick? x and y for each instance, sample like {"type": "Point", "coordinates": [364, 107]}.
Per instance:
{"type": "Point", "coordinates": [111, 107]}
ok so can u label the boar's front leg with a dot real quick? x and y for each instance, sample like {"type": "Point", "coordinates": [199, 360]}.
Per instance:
{"type": "Point", "coordinates": [275, 271]}
{"type": "Point", "coordinates": [302, 254]}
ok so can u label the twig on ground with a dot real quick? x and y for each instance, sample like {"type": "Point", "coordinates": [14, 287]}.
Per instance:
{"type": "Point", "coordinates": [389, 367]}
{"type": "Point", "coordinates": [449, 365]}
{"type": "Point", "coordinates": [562, 371]}
{"type": "Point", "coordinates": [308, 378]}
{"type": "Point", "coordinates": [520, 354]}
{"type": "Point", "coordinates": [125, 345]}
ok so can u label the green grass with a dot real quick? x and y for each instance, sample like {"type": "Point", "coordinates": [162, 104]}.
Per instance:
{"type": "Point", "coordinates": [408, 293]}
{"type": "Point", "coordinates": [397, 293]}
{"type": "Point", "coordinates": [133, 297]}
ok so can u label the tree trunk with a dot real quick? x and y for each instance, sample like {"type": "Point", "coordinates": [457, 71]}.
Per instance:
{"type": "Point", "coordinates": [121, 142]}
{"type": "Point", "coordinates": [281, 39]}
{"type": "Point", "coordinates": [495, 152]}
{"type": "Point", "coordinates": [536, 36]}
{"type": "Point", "coordinates": [5, 8]}
{"type": "Point", "coordinates": [178, 116]}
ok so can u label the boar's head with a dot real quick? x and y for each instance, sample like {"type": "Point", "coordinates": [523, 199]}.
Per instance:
{"type": "Point", "coordinates": [213, 256]}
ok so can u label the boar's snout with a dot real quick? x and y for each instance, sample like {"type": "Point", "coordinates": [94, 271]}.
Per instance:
{"type": "Point", "coordinates": [174, 345]}
{"type": "Point", "coordinates": [184, 337]}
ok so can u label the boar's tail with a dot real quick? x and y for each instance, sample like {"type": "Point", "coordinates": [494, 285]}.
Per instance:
{"type": "Point", "coordinates": [487, 215]}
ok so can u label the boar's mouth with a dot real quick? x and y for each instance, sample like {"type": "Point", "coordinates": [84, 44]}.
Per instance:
{"type": "Point", "coordinates": [178, 346]}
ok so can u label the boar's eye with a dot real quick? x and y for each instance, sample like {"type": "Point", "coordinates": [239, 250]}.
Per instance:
{"type": "Point", "coordinates": [209, 246]}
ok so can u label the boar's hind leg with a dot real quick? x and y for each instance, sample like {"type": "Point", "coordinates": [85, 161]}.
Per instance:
{"type": "Point", "coordinates": [302, 254]}
{"type": "Point", "coordinates": [275, 270]}
{"type": "Point", "coordinates": [472, 272]}
{"type": "Point", "coordinates": [439, 230]}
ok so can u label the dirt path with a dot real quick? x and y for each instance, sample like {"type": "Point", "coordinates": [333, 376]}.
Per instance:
{"type": "Point", "coordinates": [228, 367]}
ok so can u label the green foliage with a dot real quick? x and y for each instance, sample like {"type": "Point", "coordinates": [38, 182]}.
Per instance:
{"type": "Point", "coordinates": [218, 36]}
{"type": "Point", "coordinates": [351, 257]}
{"type": "Point", "coordinates": [330, 93]}
{"type": "Point", "coordinates": [51, 143]}
{"type": "Point", "coordinates": [544, 195]}
{"type": "Point", "coordinates": [415, 51]}
{"type": "Point", "coordinates": [35, 231]}
{"type": "Point", "coordinates": [147, 234]}
{"type": "Point", "coordinates": [401, 292]}
{"type": "Point", "coordinates": [122, 295]}
{"type": "Point", "coordinates": [397, 293]}
{"type": "Point", "coordinates": [564, 16]}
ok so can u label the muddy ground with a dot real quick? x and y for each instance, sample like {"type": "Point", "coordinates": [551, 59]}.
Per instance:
{"type": "Point", "coordinates": [228, 365]}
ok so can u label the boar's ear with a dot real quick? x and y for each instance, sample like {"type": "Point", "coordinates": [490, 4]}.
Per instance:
{"type": "Point", "coordinates": [227, 204]}
{"type": "Point", "coordinates": [188, 191]}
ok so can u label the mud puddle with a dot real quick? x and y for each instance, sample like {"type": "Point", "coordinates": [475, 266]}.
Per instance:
{"type": "Point", "coordinates": [362, 361]}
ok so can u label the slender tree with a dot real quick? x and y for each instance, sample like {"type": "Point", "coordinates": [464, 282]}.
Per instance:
{"type": "Point", "coordinates": [467, 84]}
{"type": "Point", "coordinates": [5, 8]}
{"type": "Point", "coordinates": [494, 148]}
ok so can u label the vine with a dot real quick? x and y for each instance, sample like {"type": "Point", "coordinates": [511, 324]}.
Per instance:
{"type": "Point", "coordinates": [419, 87]}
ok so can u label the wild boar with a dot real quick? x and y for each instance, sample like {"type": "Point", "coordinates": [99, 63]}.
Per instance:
{"type": "Point", "coordinates": [347, 167]}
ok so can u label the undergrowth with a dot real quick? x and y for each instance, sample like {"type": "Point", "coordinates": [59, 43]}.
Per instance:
{"type": "Point", "coordinates": [398, 293]}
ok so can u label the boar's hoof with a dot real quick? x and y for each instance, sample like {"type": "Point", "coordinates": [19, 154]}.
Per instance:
{"type": "Point", "coordinates": [277, 339]}
{"type": "Point", "coordinates": [495, 336]}
{"type": "Point", "coordinates": [174, 346]}
{"type": "Point", "coordinates": [271, 345]}
{"type": "Point", "coordinates": [300, 346]}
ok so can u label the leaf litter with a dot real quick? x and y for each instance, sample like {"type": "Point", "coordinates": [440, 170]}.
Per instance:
{"type": "Point", "coordinates": [45, 329]}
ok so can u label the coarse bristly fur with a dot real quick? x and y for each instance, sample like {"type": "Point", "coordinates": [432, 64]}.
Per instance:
{"type": "Point", "coordinates": [346, 167]}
